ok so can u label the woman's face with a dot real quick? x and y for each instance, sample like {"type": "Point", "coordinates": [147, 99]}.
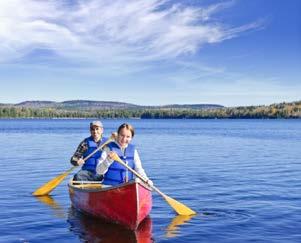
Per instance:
{"type": "Point", "coordinates": [124, 137]}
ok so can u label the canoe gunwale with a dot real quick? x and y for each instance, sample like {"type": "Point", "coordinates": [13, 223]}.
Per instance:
{"type": "Point", "coordinates": [93, 187]}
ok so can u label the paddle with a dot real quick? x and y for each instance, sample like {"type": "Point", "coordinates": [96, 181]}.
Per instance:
{"type": "Point", "coordinates": [50, 185]}
{"type": "Point", "coordinates": [180, 208]}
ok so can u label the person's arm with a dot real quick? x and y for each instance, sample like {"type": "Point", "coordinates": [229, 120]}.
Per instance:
{"type": "Point", "coordinates": [77, 158]}
{"type": "Point", "coordinates": [104, 162]}
{"type": "Point", "coordinates": [139, 168]}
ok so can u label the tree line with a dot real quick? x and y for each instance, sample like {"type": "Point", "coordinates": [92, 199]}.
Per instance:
{"type": "Point", "coordinates": [282, 110]}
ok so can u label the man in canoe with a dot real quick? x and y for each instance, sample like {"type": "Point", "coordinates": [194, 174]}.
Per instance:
{"type": "Point", "coordinates": [113, 172]}
{"type": "Point", "coordinates": [86, 147]}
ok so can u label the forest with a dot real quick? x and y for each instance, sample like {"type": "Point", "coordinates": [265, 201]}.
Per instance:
{"type": "Point", "coordinates": [274, 111]}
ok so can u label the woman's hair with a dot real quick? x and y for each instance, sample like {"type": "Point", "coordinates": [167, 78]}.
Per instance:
{"type": "Point", "coordinates": [126, 126]}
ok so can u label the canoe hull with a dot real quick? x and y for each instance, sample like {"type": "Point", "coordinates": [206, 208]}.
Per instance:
{"type": "Point", "coordinates": [127, 204]}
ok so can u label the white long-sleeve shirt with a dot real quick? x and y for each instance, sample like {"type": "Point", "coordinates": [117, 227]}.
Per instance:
{"type": "Point", "coordinates": [104, 162]}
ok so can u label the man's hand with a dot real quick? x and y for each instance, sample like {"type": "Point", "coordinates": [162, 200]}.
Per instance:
{"type": "Point", "coordinates": [80, 162]}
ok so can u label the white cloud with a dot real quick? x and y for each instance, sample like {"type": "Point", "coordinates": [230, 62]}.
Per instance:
{"type": "Point", "coordinates": [105, 31]}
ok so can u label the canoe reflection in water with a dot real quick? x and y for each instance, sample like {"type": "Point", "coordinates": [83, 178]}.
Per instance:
{"type": "Point", "coordinates": [91, 229]}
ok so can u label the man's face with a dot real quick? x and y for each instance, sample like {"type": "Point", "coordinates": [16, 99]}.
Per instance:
{"type": "Point", "coordinates": [96, 132]}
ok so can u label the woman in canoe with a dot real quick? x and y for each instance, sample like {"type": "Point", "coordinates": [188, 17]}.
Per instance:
{"type": "Point", "coordinates": [113, 172]}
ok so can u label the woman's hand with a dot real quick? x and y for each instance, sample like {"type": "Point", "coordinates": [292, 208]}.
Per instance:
{"type": "Point", "coordinates": [150, 182]}
{"type": "Point", "coordinates": [112, 155]}
{"type": "Point", "coordinates": [114, 135]}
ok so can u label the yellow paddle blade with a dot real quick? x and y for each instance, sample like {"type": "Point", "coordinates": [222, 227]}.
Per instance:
{"type": "Point", "coordinates": [50, 185]}
{"type": "Point", "coordinates": [180, 208]}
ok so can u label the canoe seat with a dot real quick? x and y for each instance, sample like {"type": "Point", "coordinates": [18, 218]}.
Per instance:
{"type": "Point", "coordinates": [87, 184]}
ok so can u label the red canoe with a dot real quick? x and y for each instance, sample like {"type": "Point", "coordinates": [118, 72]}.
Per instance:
{"type": "Point", "coordinates": [126, 204]}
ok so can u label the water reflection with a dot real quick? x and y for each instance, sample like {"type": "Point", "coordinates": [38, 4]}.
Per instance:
{"type": "Point", "coordinates": [90, 229]}
{"type": "Point", "coordinates": [173, 229]}
{"type": "Point", "coordinates": [57, 209]}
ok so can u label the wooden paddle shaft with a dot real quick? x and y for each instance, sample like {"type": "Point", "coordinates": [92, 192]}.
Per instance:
{"type": "Point", "coordinates": [139, 176]}
{"type": "Point", "coordinates": [99, 148]}
{"type": "Point", "coordinates": [50, 185]}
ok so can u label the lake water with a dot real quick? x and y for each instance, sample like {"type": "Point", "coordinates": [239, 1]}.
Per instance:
{"type": "Point", "coordinates": [243, 177]}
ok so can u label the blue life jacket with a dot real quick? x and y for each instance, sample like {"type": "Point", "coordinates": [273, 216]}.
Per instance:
{"type": "Point", "coordinates": [91, 163]}
{"type": "Point", "coordinates": [117, 173]}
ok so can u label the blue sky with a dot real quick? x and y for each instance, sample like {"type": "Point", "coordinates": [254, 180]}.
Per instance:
{"type": "Point", "coordinates": [152, 52]}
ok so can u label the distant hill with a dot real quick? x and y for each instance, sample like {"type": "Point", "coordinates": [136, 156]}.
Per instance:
{"type": "Point", "coordinates": [36, 104]}
{"type": "Point", "coordinates": [193, 106]}
{"type": "Point", "coordinates": [91, 105]}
